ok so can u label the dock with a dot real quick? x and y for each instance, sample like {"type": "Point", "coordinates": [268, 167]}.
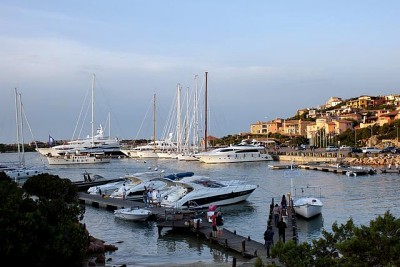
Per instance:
{"type": "Point", "coordinates": [283, 166]}
{"type": "Point", "coordinates": [198, 224]}
{"type": "Point", "coordinates": [338, 169]}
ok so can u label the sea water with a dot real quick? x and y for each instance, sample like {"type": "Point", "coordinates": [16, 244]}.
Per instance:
{"type": "Point", "coordinates": [362, 198]}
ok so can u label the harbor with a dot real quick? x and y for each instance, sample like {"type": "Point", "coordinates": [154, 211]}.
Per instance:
{"type": "Point", "coordinates": [141, 244]}
{"type": "Point", "coordinates": [198, 224]}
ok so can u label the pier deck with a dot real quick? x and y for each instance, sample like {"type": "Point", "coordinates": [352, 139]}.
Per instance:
{"type": "Point", "coordinates": [336, 169]}
{"type": "Point", "coordinates": [186, 220]}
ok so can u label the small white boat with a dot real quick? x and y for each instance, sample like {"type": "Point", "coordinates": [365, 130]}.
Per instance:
{"type": "Point", "coordinates": [308, 207]}
{"type": "Point", "coordinates": [133, 214]}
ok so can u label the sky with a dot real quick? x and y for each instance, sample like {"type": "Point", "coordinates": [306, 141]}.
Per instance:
{"type": "Point", "coordinates": [264, 59]}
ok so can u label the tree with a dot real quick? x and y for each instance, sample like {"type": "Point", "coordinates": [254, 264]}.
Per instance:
{"type": "Point", "coordinates": [347, 245]}
{"type": "Point", "coordinates": [39, 223]}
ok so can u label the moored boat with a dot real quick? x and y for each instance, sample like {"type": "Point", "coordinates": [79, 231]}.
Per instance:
{"type": "Point", "coordinates": [199, 192]}
{"type": "Point", "coordinates": [78, 158]}
{"type": "Point", "coordinates": [133, 214]}
{"type": "Point", "coordinates": [235, 153]}
{"type": "Point", "coordinates": [308, 207]}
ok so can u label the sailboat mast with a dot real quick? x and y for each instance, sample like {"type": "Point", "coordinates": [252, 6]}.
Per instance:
{"type": "Point", "coordinates": [154, 123]}
{"type": "Point", "coordinates": [206, 115]}
{"type": "Point", "coordinates": [178, 120]}
{"type": "Point", "coordinates": [21, 131]}
{"type": "Point", "coordinates": [17, 112]}
{"type": "Point", "coordinates": [93, 110]}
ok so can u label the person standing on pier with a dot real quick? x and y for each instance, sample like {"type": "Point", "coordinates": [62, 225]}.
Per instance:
{"type": "Point", "coordinates": [158, 196]}
{"type": "Point", "coordinates": [283, 202]}
{"type": "Point", "coordinates": [219, 220]}
{"type": "Point", "coordinates": [281, 230]}
{"type": "Point", "coordinates": [277, 212]}
{"type": "Point", "coordinates": [214, 224]}
{"type": "Point", "coordinates": [269, 239]}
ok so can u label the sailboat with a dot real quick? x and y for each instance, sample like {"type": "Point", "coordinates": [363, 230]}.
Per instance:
{"type": "Point", "coordinates": [151, 149]}
{"type": "Point", "coordinates": [21, 171]}
{"type": "Point", "coordinates": [82, 155]}
{"type": "Point", "coordinates": [96, 142]}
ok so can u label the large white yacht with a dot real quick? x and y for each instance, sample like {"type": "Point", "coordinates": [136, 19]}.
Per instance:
{"type": "Point", "coordinates": [99, 143]}
{"type": "Point", "coordinates": [235, 153]}
{"type": "Point", "coordinates": [202, 192]}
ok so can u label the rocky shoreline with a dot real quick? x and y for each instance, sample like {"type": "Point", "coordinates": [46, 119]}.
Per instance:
{"type": "Point", "coordinates": [96, 251]}
{"type": "Point", "coordinates": [386, 160]}
{"type": "Point", "coordinates": [376, 160]}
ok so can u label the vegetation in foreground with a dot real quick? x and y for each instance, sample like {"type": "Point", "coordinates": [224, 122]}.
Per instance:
{"type": "Point", "coordinates": [348, 245]}
{"type": "Point", "coordinates": [40, 222]}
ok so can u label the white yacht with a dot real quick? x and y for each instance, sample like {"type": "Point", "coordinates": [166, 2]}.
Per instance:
{"type": "Point", "coordinates": [78, 158]}
{"type": "Point", "coordinates": [308, 206]}
{"type": "Point", "coordinates": [235, 153]}
{"type": "Point", "coordinates": [201, 192]}
{"type": "Point", "coordinates": [152, 149]}
{"type": "Point", "coordinates": [99, 143]}
{"type": "Point", "coordinates": [93, 143]}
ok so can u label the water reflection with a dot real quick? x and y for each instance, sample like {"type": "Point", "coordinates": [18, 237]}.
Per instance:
{"type": "Point", "coordinates": [309, 229]}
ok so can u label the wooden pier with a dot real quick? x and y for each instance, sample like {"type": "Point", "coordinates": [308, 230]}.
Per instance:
{"type": "Point", "coordinates": [337, 169]}
{"type": "Point", "coordinates": [197, 223]}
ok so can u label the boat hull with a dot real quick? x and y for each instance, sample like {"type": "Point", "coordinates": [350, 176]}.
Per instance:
{"type": "Point", "coordinates": [234, 158]}
{"type": "Point", "coordinates": [308, 207]}
{"type": "Point", "coordinates": [76, 160]}
{"type": "Point", "coordinates": [132, 214]}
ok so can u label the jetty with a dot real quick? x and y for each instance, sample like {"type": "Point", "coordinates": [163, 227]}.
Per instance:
{"type": "Point", "coordinates": [339, 169]}
{"type": "Point", "coordinates": [196, 222]}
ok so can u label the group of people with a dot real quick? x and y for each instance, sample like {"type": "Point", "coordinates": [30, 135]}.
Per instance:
{"type": "Point", "coordinates": [217, 222]}
{"type": "Point", "coordinates": [149, 198]}
{"type": "Point", "coordinates": [278, 213]}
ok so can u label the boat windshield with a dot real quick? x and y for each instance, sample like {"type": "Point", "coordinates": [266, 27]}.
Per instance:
{"type": "Point", "coordinates": [208, 183]}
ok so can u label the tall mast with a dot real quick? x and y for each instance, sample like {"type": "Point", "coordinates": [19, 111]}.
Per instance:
{"type": "Point", "coordinates": [93, 110]}
{"type": "Point", "coordinates": [154, 123]}
{"type": "Point", "coordinates": [178, 119]}
{"type": "Point", "coordinates": [21, 131]}
{"type": "Point", "coordinates": [205, 118]}
{"type": "Point", "coordinates": [17, 125]}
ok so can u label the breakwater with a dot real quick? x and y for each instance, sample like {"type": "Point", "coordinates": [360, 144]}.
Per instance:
{"type": "Point", "coordinates": [387, 160]}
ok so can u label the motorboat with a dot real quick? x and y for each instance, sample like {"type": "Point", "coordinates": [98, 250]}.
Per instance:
{"type": "Point", "coordinates": [22, 173]}
{"type": "Point", "coordinates": [308, 206]}
{"type": "Point", "coordinates": [235, 153]}
{"type": "Point", "coordinates": [139, 183]}
{"type": "Point", "coordinates": [197, 192]}
{"type": "Point", "coordinates": [133, 214]}
{"type": "Point", "coordinates": [79, 158]}
{"type": "Point", "coordinates": [106, 189]}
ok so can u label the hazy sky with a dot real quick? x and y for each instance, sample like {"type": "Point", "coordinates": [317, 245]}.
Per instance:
{"type": "Point", "coordinates": [265, 59]}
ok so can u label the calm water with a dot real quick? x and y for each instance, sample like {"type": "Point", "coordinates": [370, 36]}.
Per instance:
{"type": "Point", "coordinates": [362, 198]}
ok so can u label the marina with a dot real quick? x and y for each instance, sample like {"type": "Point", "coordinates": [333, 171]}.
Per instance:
{"type": "Point", "coordinates": [139, 242]}
{"type": "Point", "coordinates": [196, 222]}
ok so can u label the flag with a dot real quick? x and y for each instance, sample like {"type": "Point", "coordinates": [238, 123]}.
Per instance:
{"type": "Point", "coordinates": [51, 141]}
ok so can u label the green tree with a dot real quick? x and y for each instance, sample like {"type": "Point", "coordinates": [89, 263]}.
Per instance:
{"type": "Point", "coordinates": [347, 245]}
{"type": "Point", "coordinates": [40, 223]}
